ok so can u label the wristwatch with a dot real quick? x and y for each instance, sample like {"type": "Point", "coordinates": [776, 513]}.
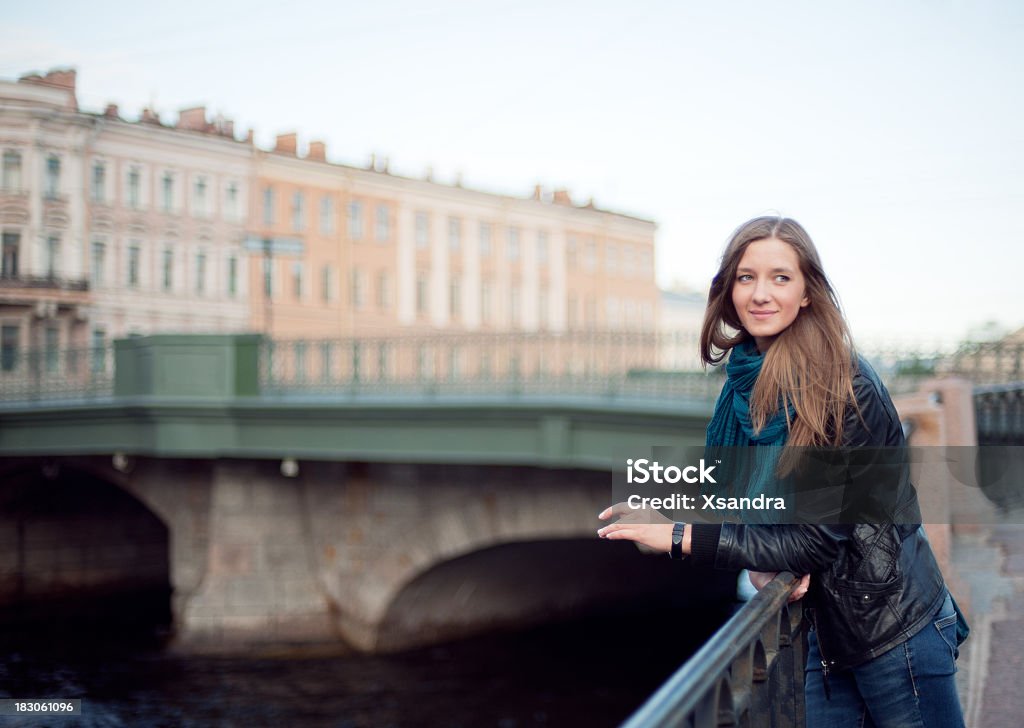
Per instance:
{"type": "Point", "coordinates": [677, 540]}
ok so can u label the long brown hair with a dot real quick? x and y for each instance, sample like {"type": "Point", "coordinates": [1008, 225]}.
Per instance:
{"type": "Point", "coordinates": [809, 365]}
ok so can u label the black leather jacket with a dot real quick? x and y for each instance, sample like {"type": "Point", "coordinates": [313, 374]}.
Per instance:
{"type": "Point", "coordinates": [873, 585]}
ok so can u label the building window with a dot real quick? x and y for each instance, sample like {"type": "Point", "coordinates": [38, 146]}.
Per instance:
{"type": "Point", "coordinates": [513, 244]}
{"type": "Point", "coordinates": [486, 313]}
{"type": "Point", "coordinates": [590, 256]}
{"type": "Point", "coordinates": [425, 361]}
{"type": "Point", "coordinates": [383, 290]}
{"type": "Point", "coordinates": [513, 305]}
{"type": "Point", "coordinates": [232, 276]}
{"type": "Point", "coordinates": [628, 260]}
{"type": "Point", "coordinates": [611, 258]}
{"type": "Point", "coordinates": [647, 315]}
{"type": "Point", "coordinates": [355, 220]}
{"type": "Point", "coordinates": [52, 177]}
{"type": "Point", "coordinates": [542, 248]}
{"type": "Point", "coordinates": [99, 182]}
{"type": "Point", "coordinates": [99, 255]}
{"type": "Point", "coordinates": [357, 361]}
{"type": "Point", "coordinates": [326, 360]}
{"type": "Point", "coordinates": [99, 350]}
{"type": "Point", "coordinates": [383, 361]}
{"type": "Point", "coordinates": [167, 192]}
{"type": "Point", "coordinates": [612, 313]}
{"type": "Point", "coordinates": [571, 246]}
{"type": "Point", "coordinates": [200, 197]}
{"type": "Point", "coordinates": [12, 171]}
{"type": "Point", "coordinates": [9, 340]}
{"type": "Point", "coordinates": [454, 234]}
{"type": "Point", "coordinates": [134, 188]}
{"type": "Point", "coordinates": [422, 293]}
{"type": "Point", "coordinates": [231, 201]}
{"type": "Point", "coordinates": [326, 215]}
{"type": "Point", "coordinates": [454, 367]}
{"type": "Point", "coordinates": [358, 289]}
{"type": "Point", "coordinates": [298, 211]}
{"type": "Point", "coordinates": [422, 230]}
{"type": "Point", "coordinates": [454, 297]}
{"type": "Point", "coordinates": [167, 270]}
{"type": "Point", "coordinates": [11, 245]}
{"type": "Point", "coordinates": [52, 256]}
{"type": "Point", "coordinates": [300, 361]}
{"type": "Point", "coordinates": [486, 236]}
{"type": "Point", "coordinates": [134, 255]}
{"type": "Point", "coordinates": [200, 273]}
{"type": "Point", "coordinates": [382, 230]}
{"type": "Point", "coordinates": [268, 277]}
{"type": "Point", "coordinates": [51, 349]}
{"type": "Point", "coordinates": [543, 319]}
{"type": "Point", "coordinates": [326, 282]}
{"type": "Point", "coordinates": [645, 263]}
{"type": "Point", "coordinates": [297, 280]}
{"type": "Point", "coordinates": [268, 205]}
{"type": "Point", "coordinates": [572, 314]}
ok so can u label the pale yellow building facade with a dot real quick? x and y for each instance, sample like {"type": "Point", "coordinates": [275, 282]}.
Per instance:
{"type": "Point", "coordinates": [362, 252]}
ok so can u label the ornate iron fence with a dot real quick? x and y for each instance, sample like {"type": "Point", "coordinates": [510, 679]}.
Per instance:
{"type": "Point", "coordinates": [999, 413]}
{"type": "Point", "coordinates": [57, 373]}
{"type": "Point", "coordinates": [596, 363]}
{"type": "Point", "coordinates": [653, 365]}
{"type": "Point", "coordinates": [994, 362]}
{"type": "Point", "coordinates": [750, 673]}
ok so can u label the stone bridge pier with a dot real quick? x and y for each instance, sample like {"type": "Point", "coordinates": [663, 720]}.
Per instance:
{"type": "Point", "coordinates": [381, 556]}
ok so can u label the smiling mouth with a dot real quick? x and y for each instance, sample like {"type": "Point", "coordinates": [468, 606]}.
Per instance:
{"type": "Point", "coordinates": [762, 314]}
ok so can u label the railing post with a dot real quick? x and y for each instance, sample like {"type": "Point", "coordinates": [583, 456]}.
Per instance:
{"type": "Point", "coordinates": [749, 673]}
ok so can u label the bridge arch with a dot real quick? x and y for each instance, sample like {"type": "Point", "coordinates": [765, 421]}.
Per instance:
{"type": "Point", "coordinates": [522, 584]}
{"type": "Point", "coordinates": [413, 554]}
{"type": "Point", "coordinates": [78, 546]}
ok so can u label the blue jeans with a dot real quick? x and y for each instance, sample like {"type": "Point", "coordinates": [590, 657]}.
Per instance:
{"type": "Point", "coordinates": [910, 686]}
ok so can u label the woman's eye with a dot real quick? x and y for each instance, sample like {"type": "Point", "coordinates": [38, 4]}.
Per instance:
{"type": "Point", "coordinates": [781, 278]}
{"type": "Point", "coordinates": [744, 277]}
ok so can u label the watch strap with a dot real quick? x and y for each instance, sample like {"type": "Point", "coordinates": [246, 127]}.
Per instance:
{"type": "Point", "coordinates": [677, 540]}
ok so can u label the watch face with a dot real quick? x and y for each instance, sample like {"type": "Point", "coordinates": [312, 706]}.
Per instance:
{"type": "Point", "coordinates": [677, 538]}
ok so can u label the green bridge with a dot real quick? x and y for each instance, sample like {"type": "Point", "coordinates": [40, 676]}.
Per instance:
{"type": "Point", "coordinates": [238, 396]}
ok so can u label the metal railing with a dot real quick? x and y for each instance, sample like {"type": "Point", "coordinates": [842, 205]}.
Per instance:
{"type": "Point", "coordinates": [52, 282]}
{"type": "Point", "coordinates": [999, 413]}
{"type": "Point", "coordinates": [750, 673]}
{"type": "Point", "coordinates": [628, 364]}
{"type": "Point", "coordinates": [50, 374]}
{"type": "Point", "coordinates": [995, 362]}
{"type": "Point", "coordinates": [598, 363]}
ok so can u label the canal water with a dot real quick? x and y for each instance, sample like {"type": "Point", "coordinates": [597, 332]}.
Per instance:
{"type": "Point", "coordinates": [589, 672]}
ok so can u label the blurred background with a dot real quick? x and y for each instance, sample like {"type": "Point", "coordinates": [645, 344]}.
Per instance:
{"type": "Point", "coordinates": [323, 326]}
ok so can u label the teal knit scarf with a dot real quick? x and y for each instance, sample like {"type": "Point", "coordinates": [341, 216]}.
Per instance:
{"type": "Point", "coordinates": [751, 473]}
{"type": "Point", "coordinates": [731, 426]}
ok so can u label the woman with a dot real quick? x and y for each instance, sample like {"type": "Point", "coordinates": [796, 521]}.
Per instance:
{"type": "Point", "coordinates": [883, 639]}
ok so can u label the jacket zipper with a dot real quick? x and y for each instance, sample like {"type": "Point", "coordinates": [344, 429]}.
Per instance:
{"type": "Point", "coordinates": [825, 663]}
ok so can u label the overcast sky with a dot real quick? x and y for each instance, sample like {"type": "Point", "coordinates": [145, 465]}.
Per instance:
{"type": "Point", "coordinates": [893, 131]}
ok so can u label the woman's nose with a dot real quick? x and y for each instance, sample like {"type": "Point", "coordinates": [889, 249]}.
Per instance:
{"type": "Point", "coordinates": [761, 293]}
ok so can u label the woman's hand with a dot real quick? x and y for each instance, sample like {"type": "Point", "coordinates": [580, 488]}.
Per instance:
{"type": "Point", "coordinates": [649, 529]}
{"type": "Point", "coordinates": [760, 578]}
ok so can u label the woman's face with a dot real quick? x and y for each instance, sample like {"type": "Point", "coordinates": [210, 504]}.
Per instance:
{"type": "Point", "coordinates": [769, 290]}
